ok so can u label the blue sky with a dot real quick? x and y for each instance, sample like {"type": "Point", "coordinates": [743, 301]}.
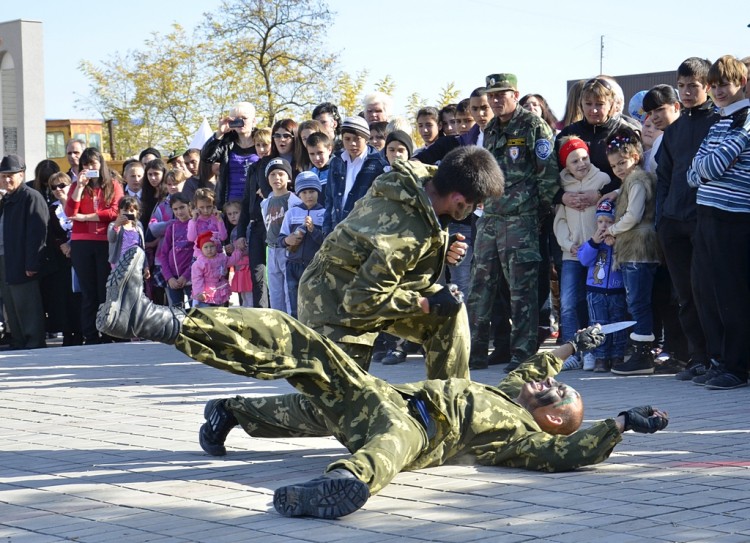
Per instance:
{"type": "Point", "coordinates": [423, 45]}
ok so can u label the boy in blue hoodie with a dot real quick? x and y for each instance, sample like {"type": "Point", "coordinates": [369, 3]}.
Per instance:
{"type": "Point", "coordinates": [605, 291]}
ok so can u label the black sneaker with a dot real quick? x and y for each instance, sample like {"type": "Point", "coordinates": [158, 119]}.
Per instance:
{"type": "Point", "coordinates": [336, 494]}
{"type": "Point", "coordinates": [214, 432]}
{"type": "Point", "coordinates": [713, 371]}
{"type": "Point", "coordinates": [394, 357]}
{"type": "Point", "coordinates": [498, 357]}
{"type": "Point", "coordinates": [378, 356]}
{"type": "Point", "coordinates": [671, 366]}
{"type": "Point", "coordinates": [478, 365]}
{"type": "Point", "coordinates": [725, 381]}
{"type": "Point", "coordinates": [692, 370]}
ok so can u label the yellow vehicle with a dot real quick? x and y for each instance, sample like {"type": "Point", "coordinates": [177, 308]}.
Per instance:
{"type": "Point", "coordinates": [60, 131]}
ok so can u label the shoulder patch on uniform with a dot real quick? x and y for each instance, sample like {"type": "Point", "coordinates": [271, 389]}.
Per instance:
{"type": "Point", "coordinates": [543, 149]}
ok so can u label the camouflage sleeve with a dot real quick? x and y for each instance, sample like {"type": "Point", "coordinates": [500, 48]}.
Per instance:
{"type": "Point", "coordinates": [546, 161]}
{"type": "Point", "coordinates": [535, 368]}
{"type": "Point", "coordinates": [376, 289]}
{"type": "Point", "coordinates": [546, 452]}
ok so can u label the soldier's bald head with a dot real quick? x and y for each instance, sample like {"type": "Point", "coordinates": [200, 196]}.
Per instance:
{"type": "Point", "coordinates": [556, 407]}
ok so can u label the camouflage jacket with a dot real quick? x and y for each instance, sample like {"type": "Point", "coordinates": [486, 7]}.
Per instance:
{"type": "Point", "coordinates": [524, 150]}
{"type": "Point", "coordinates": [377, 263]}
{"type": "Point", "coordinates": [486, 422]}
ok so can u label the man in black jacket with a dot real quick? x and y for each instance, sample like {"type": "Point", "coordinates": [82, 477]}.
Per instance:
{"type": "Point", "coordinates": [23, 231]}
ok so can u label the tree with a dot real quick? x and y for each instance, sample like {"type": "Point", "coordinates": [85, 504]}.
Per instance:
{"type": "Point", "coordinates": [448, 95]}
{"type": "Point", "coordinates": [348, 97]}
{"type": "Point", "coordinates": [414, 102]}
{"type": "Point", "coordinates": [281, 40]}
{"type": "Point", "coordinates": [386, 85]}
{"type": "Point", "coordinates": [159, 95]}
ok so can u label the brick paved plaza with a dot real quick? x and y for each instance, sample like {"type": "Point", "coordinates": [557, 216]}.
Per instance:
{"type": "Point", "coordinates": [99, 444]}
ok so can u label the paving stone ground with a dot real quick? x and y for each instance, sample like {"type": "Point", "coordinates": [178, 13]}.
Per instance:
{"type": "Point", "coordinates": [99, 444]}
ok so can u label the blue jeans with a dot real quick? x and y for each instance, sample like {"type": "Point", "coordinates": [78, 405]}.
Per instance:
{"type": "Point", "coordinates": [176, 297]}
{"type": "Point", "coordinates": [639, 284]}
{"type": "Point", "coordinates": [603, 309]}
{"type": "Point", "coordinates": [276, 268]}
{"type": "Point", "coordinates": [572, 297]}
{"type": "Point", "coordinates": [461, 274]}
{"type": "Point", "coordinates": [294, 271]}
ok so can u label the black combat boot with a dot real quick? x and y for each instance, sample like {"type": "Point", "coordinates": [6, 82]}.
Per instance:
{"type": "Point", "coordinates": [127, 312]}
{"type": "Point", "coordinates": [214, 432]}
{"type": "Point", "coordinates": [335, 494]}
{"type": "Point", "coordinates": [640, 362]}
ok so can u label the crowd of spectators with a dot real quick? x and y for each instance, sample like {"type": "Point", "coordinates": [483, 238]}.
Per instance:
{"type": "Point", "coordinates": [610, 213]}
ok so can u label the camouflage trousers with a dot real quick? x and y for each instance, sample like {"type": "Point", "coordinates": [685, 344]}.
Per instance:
{"type": "Point", "coordinates": [507, 245]}
{"type": "Point", "coordinates": [445, 341]}
{"type": "Point", "coordinates": [366, 414]}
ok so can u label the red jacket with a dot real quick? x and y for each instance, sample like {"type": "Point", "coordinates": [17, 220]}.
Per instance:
{"type": "Point", "coordinates": [107, 212]}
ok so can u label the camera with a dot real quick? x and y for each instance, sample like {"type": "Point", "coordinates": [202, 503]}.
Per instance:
{"type": "Point", "coordinates": [130, 216]}
{"type": "Point", "coordinates": [237, 123]}
{"type": "Point", "coordinates": [92, 173]}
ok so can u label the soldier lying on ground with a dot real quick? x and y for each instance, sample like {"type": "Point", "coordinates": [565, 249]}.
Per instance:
{"type": "Point", "coordinates": [529, 420]}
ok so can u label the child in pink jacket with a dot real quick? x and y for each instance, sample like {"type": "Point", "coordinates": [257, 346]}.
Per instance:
{"type": "Point", "coordinates": [210, 273]}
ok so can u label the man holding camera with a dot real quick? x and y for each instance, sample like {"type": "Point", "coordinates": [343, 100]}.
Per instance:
{"type": "Point", "coordinates": [23, 233]}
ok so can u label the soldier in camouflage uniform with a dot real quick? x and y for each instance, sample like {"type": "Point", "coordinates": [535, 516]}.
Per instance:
{"type": "Point", "coordinates": [379, 269]}
{"type": "Point", "coordinates": [507, 238]}
{"type": "Point", "coordinates": [527, 421]}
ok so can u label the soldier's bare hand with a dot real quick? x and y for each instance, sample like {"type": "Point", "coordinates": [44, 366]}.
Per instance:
{"type": "Point", "coordinates": [456, 249]}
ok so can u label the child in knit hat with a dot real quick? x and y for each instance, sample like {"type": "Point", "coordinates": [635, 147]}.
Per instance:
{"type": "Point", "coordinates": [605, 291]}
{"type": "Point", "coordinates": [274, 208]}
{"type": "Point", "coordinates": [398, 145]}
{"type": "Point", "coordinates": [302, 233]}
{"type": "Point", "coordinates": [209, 273]}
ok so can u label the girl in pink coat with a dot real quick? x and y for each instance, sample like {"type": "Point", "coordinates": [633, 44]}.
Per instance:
{"type": "Point", "coordinates": [210, 274]}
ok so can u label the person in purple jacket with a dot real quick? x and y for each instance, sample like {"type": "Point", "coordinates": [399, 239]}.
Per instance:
{"type": "Point", "coordinates": [175, 254]}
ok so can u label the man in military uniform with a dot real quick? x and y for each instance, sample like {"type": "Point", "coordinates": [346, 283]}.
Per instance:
{"type": "Point", "coordinates": [529, 420]}
{"type": "Point", "coordinates": [507, 238]}
{"type": "Point", "coordinates": [379, 269]}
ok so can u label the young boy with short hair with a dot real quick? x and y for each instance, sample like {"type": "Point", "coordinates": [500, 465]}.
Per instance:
{"type": "Point", "coordinates": [377, 134]}
{"type": "Point", "coordinates": [279, 175]}
{"type": "Point", "coordinates": [302, 232]}
{"type": "Point", "coordinates": [133, 174]}
{"type": "Point", "coordinates": [427, 126]}
{"type": "Point", "coordinates": [464, 120]}
{"type": "Point", "coordinates": [481, 112]}
{"type": "Point", "coordinates": [319, 147]}
{"type": "Point", "coordinates": [262, 142]}
{"type": "Point", "coordinates": [676, 208]}
{"type": "Point", "coordinates": [721, 172]}
{"type": "Point", "coordinates": [447, 123]}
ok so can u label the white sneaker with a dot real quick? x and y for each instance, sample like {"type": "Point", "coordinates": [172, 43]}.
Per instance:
{"type": "Point", "coordinates": [588, 362]}
{"type": "Point", "coordinates": [572, 363]}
